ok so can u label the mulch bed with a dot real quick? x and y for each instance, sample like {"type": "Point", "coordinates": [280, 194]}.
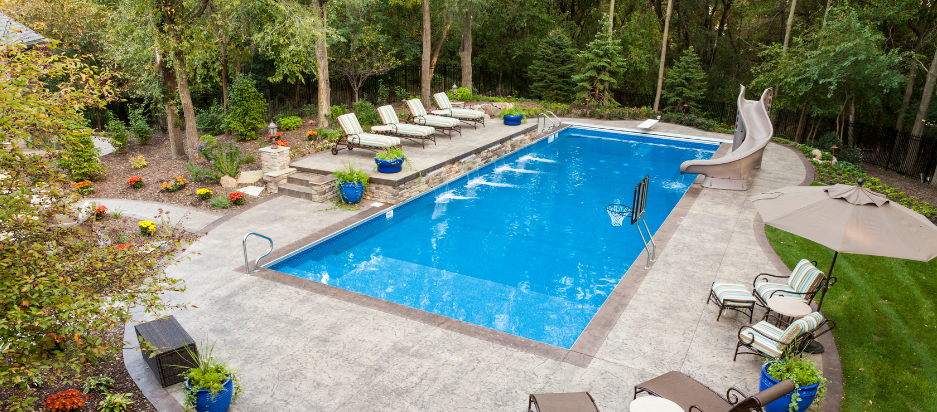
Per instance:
{"type": "Point", "coordinates": [113, 367]}
{"type": "Point", "coordinates": [912, 187]}
{"type": "Point", "coordinates": [162, 167]}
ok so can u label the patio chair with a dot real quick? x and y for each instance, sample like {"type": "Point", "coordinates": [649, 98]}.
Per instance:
{"type": "Point", "coordinates": [561, 402]}
{"type": "Point", "coordinates": [769, 341]}
{"type": "Point", "coordinates": [354, 137]}
{"type": "Point", "coordinates": [419, 116]}
{"type": "Point", "coordinates": [692, 395]}
{"type": "Point", "coordinates": [393, 127]}
{"type": "Point", "coordinates": [474, 117]}
{"type": "Point", "coordinates": [803, 283]}
{"type": "Point", "coordinates": [732, 296]}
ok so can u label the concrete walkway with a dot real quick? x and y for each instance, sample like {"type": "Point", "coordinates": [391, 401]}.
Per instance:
{"type": "Point", "coordinates": [302, 351]}
{"type": "Point", "coordinates": [190, 218]}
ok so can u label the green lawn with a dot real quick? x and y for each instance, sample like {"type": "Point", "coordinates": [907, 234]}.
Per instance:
{"type": "Point", "coordinates": [886, 327]}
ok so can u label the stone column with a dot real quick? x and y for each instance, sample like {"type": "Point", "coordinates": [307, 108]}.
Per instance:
{"type": "Point", "coordinates": [275, 161]}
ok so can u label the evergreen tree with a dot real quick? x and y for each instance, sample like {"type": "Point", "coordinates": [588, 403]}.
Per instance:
{"type": "Point", "coordinates": [601, 64]}
{"type": "Point", "coordinates": [685, 81]}
{"type": "Point", "coordinates": [551, 72]}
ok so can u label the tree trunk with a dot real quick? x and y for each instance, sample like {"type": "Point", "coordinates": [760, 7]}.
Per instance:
{"type": "Point", "coordinates": [825, 13]}
{"type": "Point", "coordinates": [611, 18]}
{"type": "Point", "coordinates": [436, 49]}
{"type": "Point", "coordinates": [663, 54]}
{"type": "Point", "coordinates": [176, 142]}
{"type": "Point", "coordinates": [790, 24]}
{"type": "Point", "coordinates": [908, 93]}
{"type": "Point", "coordinates": [798, 135]}
{"type": "Point", "coordinates": [722, 27]}
{"type": "Point", "coordinates": [188, 110]}
{"type": "Point", "coordinates": [224, 73]}
{"type": "Point", "coordinates": [425, 74]}
{"type": "Point", "coordinates": [322, 58]}
{"type": "Point", "coordinates": [465, 54]}
{"type": "Point", "coordinates": [852, 120]}
{"type": "Point", "coordinates": [918, 129]}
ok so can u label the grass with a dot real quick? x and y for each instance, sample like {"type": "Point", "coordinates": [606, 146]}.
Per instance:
{"type": "Point", "coordinates": [886, 327]}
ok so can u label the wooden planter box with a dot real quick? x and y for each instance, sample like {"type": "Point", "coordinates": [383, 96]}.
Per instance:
{"type": "Point", "coordinates": [171, 358]}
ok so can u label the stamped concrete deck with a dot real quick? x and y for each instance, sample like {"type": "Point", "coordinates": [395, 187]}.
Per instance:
{"type": "Point", "coordinates": [299, 350]}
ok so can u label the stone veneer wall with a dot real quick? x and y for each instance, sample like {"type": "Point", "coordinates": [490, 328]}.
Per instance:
{"type": "Point", "coordinates": [397, 194]}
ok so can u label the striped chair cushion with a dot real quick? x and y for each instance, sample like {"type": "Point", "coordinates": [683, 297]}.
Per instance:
{"type": "Point", "coordinates": [388, 115]}
{"type": "Point", "coordinates": [416, 108]}
{"type": "Point", "coordinates": [805, 277]}
{"type": "Point", "coordinates": [765, 290]}
{"type": "Point", "coordinates": [350, 125]}
{"type": "Point", "coordinates": [442, 100]}
{"type": "Point", "coordinates": [412, 130]}
{"type": "Point", "coordinates": [732, 294]}
{"type": "Point", "coordinates": [374, 140]}
{"type": "Point", "coordinates": [763, 340]}
{"type": "Point", "coordinates": [805, 324]}
{"type": "Point", "coordinates": [462, 113]}
{"type": "Point", "coordinates": [437, 121]}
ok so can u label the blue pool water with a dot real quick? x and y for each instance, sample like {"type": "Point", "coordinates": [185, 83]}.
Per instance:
{"type": "Point", "coordinates": [524, 245]}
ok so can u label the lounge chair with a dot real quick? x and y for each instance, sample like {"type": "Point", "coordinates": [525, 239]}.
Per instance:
{"type": "Point", "coordinates": [419, 116]}
{"type": "Point", "coordinates": [732, 296]}
{"type": "Point", "coordinates": [692, 395]}
{"type": "Point", "coordinates": [445, 109]}
{"type": "Point", "coordinates": [769, 341]}
{"type": "Point", "coordinates": [355, 138]}
{"type": "Point", "coordinates": [393, 127]}
{"type": "Point", "coordinates": [803, 283]}
{"type": "Point", "coordinates": [561, 402]}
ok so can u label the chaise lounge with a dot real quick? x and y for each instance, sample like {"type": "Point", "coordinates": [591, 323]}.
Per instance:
{"type": "Point", "coordinates": [355, 138]}
{"type": "Point", "coordinates": [445, 109]}
{"type": "Point", "coordinates": [393, 127]}
{"type": "Point", "coordinates": [692, 395]}
{"type": "Point", "coordinates": [419, 116]}
{"type": "Point", "coordinates": [769, 341]}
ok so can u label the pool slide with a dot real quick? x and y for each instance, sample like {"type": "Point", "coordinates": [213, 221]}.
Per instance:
{"type": "Point", "coordinates": [753, 132]}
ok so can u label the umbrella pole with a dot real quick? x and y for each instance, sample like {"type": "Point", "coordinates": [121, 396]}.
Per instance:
{"type": "Point", "coordinates": [826, 282]}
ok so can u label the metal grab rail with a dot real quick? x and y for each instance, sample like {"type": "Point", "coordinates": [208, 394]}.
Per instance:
{"type": "Point", "coordinates": [558, 121]}
{"type": "Point", "coordinates": [247, 265]}
{"type": "Point", "coordinates": [545, 117]}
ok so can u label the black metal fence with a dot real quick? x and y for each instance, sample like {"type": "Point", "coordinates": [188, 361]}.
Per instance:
{"type": "Point", "coordinates": [885, 147]}
{"type": "Point", "coordinates": [718, 111]}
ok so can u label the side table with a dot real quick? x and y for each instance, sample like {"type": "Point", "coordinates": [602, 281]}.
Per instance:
{"type": "Point", "coordinates": [166, 349]}
{"type": "Point", "coordinates": [788, 307]}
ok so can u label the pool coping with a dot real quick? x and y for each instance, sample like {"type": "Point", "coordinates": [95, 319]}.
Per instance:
{"type": "Point", "coordinates": [583, 350]}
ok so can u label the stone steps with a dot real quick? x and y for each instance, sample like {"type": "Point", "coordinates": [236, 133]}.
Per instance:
{"type": "Point", "coordinates": [310, 186]}
{"type": "Point", "coordinates": [302, 178]}
{"type": "Point", "coordinates": [295, 190]}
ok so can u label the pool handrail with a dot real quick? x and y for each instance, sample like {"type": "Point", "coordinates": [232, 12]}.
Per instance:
{"type": "Point", "coordinates": [247, 265]}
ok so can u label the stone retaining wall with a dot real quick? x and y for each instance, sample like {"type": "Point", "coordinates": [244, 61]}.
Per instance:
{"type": "Point", "coordinates": [397, 194]}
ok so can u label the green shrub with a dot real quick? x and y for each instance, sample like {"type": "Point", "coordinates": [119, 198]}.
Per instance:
{"type": "Point", "coordinates": [249, 158]}
{"type": "Point", "coordinates": [200, 174]}
{"type": "Point", "coordinates": [366, 113]}
{"type": "Point", "coordinates": [827, 141]}
{"type": "Point", "coordinates": [117, 134]}
{"type": "Point", "coordinates": [383, 92]}
{"type": "Point", "coordinates": [80, 158]}
{"type": "Point", "coordinates": [220, 202]}
{"type": "Point", "coordinates": [462, 94]}
{"type": "Point", "coordinates": [826, 156]}
{"type": "Point", "coordinates": [329, 135]}
{"type": "Point", "coordinates": [139, 127]}
{"type": "Point", "coordinates": [336, 111]}
{"type": "Point", "coordinates": [211, 120]}
{"type": "Point", "coordinates": [226, 157]}
{"type": "Point", "coordinates": [247, 109]}
{"type": "Point", "coordinates": [290, 123]}
{"type": "Point", "coordinates": [100, 384]}
{"type": "Point", "coordinates": [116, 402]}
{"type": "Point", "coordinates": [851, 155]}
{"type": "Point", "coordinates": [552, 69]}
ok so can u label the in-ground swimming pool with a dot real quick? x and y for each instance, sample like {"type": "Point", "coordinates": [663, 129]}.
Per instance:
{"type": "Point", "coordinates": [523, 245]}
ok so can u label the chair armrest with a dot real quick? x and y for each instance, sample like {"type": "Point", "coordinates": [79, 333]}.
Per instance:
{"type": "Point", "coordinates": [768, 274]}
{"type": "Point", "coordinates": [734, 395]}
{"type": "Point", "coordinates": [695, 408]}
{"type": "Point", "coordinates": [829, 323]}
{"type": "Point", "coordinates": [745, 339]}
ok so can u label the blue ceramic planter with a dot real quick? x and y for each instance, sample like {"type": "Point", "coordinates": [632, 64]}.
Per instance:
{"type": "Point", "coordinates": [351, 192]}
{"type": "Point", "coordinates": [807, 393]}
{"type": "Point", "coordinates": [513, 119]}
{"type": "Point", "coordinates": [389, 166]}
{"type": "Point", "coordinates": [204, 402]}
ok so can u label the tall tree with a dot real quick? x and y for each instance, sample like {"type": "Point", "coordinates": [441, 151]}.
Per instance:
{"type": "Point", "coordinates": [425, 74]}
{"type": "Point", "coordinates": [322, 63]}
{"type": "Point", "coordinates": [553, 67]}
{"type": "Point", "coordinates": [600, 66]}
{"type": "Point", "coordinates": [685, 81]}
{"type": "Point", "coordinates": [663, 54]}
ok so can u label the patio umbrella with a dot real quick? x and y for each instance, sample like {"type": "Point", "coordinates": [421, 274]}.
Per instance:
{"type": "Point", "coordinates": [849, 219]}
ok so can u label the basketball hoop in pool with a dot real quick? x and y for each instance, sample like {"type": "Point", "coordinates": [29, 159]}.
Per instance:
{"type": "Point", "coordinates": [618, 213]}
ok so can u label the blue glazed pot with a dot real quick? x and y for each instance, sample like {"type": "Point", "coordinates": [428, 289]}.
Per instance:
{"type": "Point", "coordinates": [204, 402]}
{"type": "Point", "coordinates": [389, 166]}
{"type": "Point", "coordinates": [351, 192]}
{"type": "Point", "coordinates": [807, 393]}
{"type": "Point", "coordinates": [513, 119]}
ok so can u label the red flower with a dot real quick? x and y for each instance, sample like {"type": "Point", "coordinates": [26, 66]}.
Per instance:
{"type": "Point", "coordinates": [65, 400]}
{"type": "Point", "coordinates": [281, 142]}
{"type": "Point", "coordinates": [234, 196]}
{"type": "Point", "coordinates": [123, 245]}
{"type": "Point", "coordinates": [100, 209]}
{"type": "Point", "coordinates": [134, 180]}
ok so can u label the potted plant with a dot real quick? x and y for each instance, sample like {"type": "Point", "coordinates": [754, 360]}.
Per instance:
{"type": "Point", "coordinates": [351, 183]}
{"type": "Point", "coordinates": [809, 381]}
{"type": "Point", "coordinates": [211, 385]}
{"type": "Point", "coordinates": [390, 160]}
{"type": "Point", "coordinates": [512, 116]}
